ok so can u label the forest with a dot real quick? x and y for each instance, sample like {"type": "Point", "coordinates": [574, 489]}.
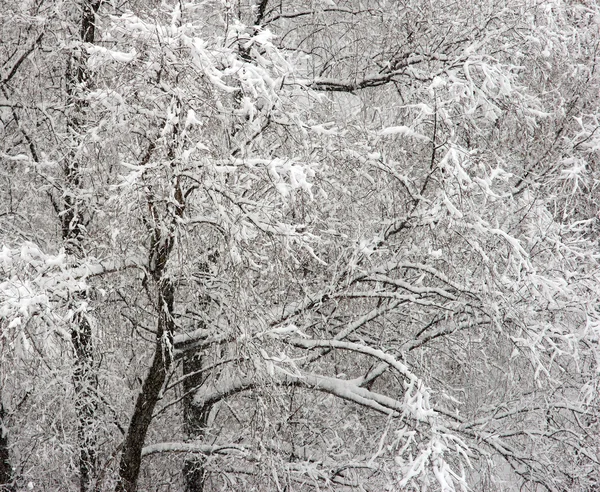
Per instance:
{"type": "Point", "coordinates": [299, 245]}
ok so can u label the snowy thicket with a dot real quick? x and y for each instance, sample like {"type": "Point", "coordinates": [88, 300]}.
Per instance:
{"type": "Point", "coordinates": [309, 245]}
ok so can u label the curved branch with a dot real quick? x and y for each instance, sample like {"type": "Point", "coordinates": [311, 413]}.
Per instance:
{"type": "Point", "coordinates": [188, 447]}
{"type": "Point", "coordinates": [236, 385]}
{"type": "Point", "coordinates": [355, 347]}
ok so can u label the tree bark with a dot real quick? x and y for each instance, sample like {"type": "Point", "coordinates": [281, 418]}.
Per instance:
{"type": "Point", "coordinates": [6, 470]}
{"type": "Point", "coordinates": [195, 420]}
{"type": "Point", "coordinates": [131, 456]}
{"type": "Point", "coordinates": [86, 385]}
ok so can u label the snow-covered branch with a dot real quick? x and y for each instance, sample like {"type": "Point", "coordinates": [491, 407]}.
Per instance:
{"type": "Point", "coordinates": [190, 447]}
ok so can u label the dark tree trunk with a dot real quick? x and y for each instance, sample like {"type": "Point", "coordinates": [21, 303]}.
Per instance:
{"type": "Point", "coordinates": [86, 386]}
{"type": "Point", "coordinates": [131, 456]}
{"type": "Point", "coordinates": [195, 419]}
{"type": "Point", "coordinates": [73, 232]}
{"type": "Point", "coordinates": [6, 471]}
{"type": "Point", "coordinates": [161, 245]}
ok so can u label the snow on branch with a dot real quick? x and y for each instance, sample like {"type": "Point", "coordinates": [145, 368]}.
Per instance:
{"type": "Point", "coordinates": [400, 67]}
{"type": "Point", "coordinates": [394, 265]}
{"type": "Point", "coordinates": [346, 390]}
{"type": "Point", "coordinates": [413, 288]}
{"type": "Point", "coordinates": [355, 347]}
{"type": "Point", "coordinates": [189, 447]}
{"type": "Point", "coordinates": [371, 315]}
{"type": "Point", "coordinates": [416, 404]}
{"type": "Point", "coordinates": [341, 85]}
{"type": "Point", "coordinates": [225, 389]}
{"type": "Point", "coordinates": [48, 278]}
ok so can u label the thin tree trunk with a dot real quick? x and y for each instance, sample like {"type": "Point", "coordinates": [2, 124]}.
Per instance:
{"type": "Point", "coordinates": [86, 385]}
{"type": "Point", "coordinates": [6, 470]}
{"type": "Point", "coordinates": [161, 245]}
{"type": "Point", "coordinates": [73, 232]}
{"type": "Point", "coordinates": [195, 418]}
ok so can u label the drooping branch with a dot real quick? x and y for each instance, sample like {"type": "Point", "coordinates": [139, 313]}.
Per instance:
{"type": "Point", "coordinates": [344, 389]}
{"type": "Point", "coordinates": [236, 385]}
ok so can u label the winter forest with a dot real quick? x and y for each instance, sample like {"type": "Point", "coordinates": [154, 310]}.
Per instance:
{"type": "Point", "coordinates": [308, 245]}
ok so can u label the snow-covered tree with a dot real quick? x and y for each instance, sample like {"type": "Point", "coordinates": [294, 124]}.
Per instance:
{"type": "Point", "coordinates": [265, 245]}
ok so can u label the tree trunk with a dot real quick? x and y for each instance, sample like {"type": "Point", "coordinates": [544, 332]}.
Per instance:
{"type": "Point", "coordinates": [195, 419]}
{"type": "Point", "coordinates": [131, 456]}
{"type": "Point", "coordinates": [6, 471]}
{"type": "Point", "coordinates": [73, 231]}
{"type": "Point", "coordinates": [161, 245]}
{"type": "Point", "coordinates": [86, 385]}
